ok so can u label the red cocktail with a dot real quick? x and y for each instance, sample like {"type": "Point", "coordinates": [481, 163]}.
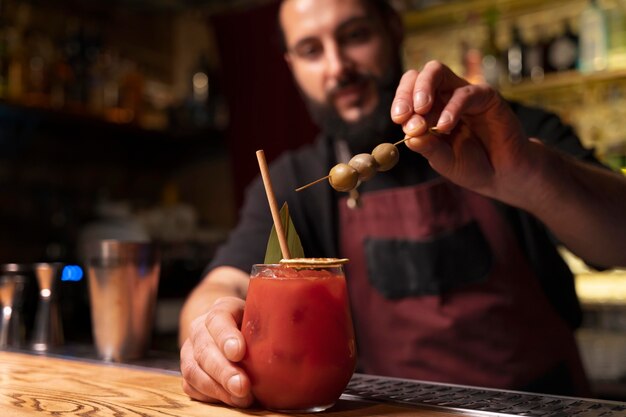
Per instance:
{"type": "Point", "coordinates": [300, 340]}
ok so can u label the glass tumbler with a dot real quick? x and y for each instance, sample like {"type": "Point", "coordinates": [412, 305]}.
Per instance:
{"type": "Point", "coordinates": [300, 347]}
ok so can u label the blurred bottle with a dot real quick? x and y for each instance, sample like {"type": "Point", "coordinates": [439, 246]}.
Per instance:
{"type": "Point", "coordinates": [533, 65]}
{"type": "Point", "coordinates": [593, 39]}
{"type": "Point", "coordinates": [122, 85]}
{"type": "Point", "coordinates": [93, 46]}
{"type": "Point", "coordinates": [40, 52]}
{"type": "Point", "coordinates": [17, 56]}
{"type": "Point", "coordinates": [17, 66]}
{"type": "Point", "coordinates": [616, 26]}
{"type": "Point", "coordinates": [515, 56]}
{"type": "Point", "coordinates": [203, 106]}
{"type": "Point", "coordinates": [472, 64]}
{"type": "Point", "coordinates": [78, 56]}
{"type": "Point", "coordinates": [111, 74]}
{"type": "Point", "coordinates": [562, 52]}
{"type": "Point", "coordinates": [492, 65]}
{"type": "Point", "coordinates": [131, 91]}
{"type": "Point", "coordinates": [97, 78]}
{"type": "Point", "coordinates": [61, 77]}
{"type": "Point", "coordinates": [4, 51]}
{"type": "Point", "coordinates": [201, 103]}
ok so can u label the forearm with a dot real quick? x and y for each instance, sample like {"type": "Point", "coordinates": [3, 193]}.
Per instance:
{"type": "Point", "coordinates": [221, 282]}
{"type": "Point", "coordinates": [583, 205]}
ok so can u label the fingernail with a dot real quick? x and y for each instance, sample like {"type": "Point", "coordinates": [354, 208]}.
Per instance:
{"type": "Point", "coordinates": [420, 99]}
{"type": "Point", "coordinates": [445, 118]}
{"type": "Point", "coordinates": [231, 348]}
{"type": "Point", "coordinates": [234, 385]}
{"type": "Point", "coordinates": [412, 125]}
{"type": "Point", "coordinates": [401, 108]}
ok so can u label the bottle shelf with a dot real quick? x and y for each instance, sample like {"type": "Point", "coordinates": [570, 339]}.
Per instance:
{"type": "Point", "coordinates": [66, 137]}
{"type": "Point", "coordinates": [80, 119]}
{"type": "Point", "coordinates": [458, 12]}
{"type": "Point", "coordinates": [561, 80]}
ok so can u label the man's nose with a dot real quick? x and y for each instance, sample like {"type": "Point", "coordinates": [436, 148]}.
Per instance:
{"type": "Point", "coordinates": [337, 61]}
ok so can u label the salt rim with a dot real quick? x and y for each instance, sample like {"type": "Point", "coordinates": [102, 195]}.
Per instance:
{"type": "Point", "coordinates": [314, 261]}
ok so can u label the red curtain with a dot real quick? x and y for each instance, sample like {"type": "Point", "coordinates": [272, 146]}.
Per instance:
{"type": "Point", "coordinates": [266, 111]}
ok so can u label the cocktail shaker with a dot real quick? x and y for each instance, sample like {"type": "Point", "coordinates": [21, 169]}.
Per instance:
{"type": "Point", "coordinates": [123, 279]}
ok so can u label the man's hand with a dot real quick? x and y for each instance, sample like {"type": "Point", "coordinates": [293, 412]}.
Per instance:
{"type": "Point", "coordinates": [209, 355]}
{"type": "Point", "coordinates": [482, 146]}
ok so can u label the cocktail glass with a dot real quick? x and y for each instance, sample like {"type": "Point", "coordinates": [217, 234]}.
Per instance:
{"type": "Point", "coordinates": [299, 336]}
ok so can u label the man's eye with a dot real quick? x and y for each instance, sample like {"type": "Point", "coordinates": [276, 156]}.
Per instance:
{"type": "Point", "coordinates": [308, 51]}
{"type": "Point", "coordinates": [357, 35]}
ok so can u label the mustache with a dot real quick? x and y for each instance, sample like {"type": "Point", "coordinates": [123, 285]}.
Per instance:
{"type": "Point", "coordinates": [350, 79]}
{"type": "Point", "coordinates": [364, 135]}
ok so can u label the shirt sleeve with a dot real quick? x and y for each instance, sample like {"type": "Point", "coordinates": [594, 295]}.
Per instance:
{"type": "Point", "coordinates": [549, 128]}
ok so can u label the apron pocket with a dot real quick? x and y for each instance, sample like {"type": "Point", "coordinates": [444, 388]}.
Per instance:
{"type": "Point", "coordinates": [400, 268]}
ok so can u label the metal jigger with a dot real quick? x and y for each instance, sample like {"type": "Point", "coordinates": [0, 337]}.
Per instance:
{"type": "Point", "coordinates": [48, 327]}
{"type": "Point", "coordinates": [7, 291]}
{"type": "Point", "coordinates": [11, 300]}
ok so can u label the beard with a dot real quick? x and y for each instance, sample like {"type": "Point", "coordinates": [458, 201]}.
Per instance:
{"type": "Point", "coordinates": [371, 129]}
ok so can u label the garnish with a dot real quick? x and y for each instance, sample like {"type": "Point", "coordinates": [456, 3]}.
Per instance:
{"type": "Point", "coordinates": [273, 253]}
{"type": "Point", "coordinates": [362, 167]}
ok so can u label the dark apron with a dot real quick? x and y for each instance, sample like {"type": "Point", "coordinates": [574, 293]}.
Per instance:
{"type": "Point", "coordinates": [441, 291]}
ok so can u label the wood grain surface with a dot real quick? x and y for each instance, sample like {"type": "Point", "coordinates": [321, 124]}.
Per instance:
{"type": "Point", "coordinates": [33, 385]}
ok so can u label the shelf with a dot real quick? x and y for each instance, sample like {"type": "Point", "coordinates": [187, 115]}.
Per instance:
{"type": "Point", "coordinates": [160, 6]}
{"type": "Point", "coordinates": [16, 112]}
{"type": "Point", "coordinates": [561, 80]}
{"type": "Point", "coordinates": [38, 134]}
{"type": "Point", "coordinates": [459, 12]}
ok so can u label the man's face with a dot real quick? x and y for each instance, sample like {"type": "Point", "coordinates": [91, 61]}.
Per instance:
{"type": "Point", "coordinates": [342, 57]}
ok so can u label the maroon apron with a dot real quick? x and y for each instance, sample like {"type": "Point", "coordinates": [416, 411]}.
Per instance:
{"type": "Point", "coordinates": [441, 291]}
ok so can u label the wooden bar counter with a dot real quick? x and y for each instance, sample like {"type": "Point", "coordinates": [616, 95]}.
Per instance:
{"type": "Point", "coordinates": [32, 385]}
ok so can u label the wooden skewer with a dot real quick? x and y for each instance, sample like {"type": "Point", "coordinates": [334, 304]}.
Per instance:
{"type": "Point", "coordinates": [271, 199]}
{"type": "Point", "coordinates": [435, 131]}
{"type": "Point", "coordinates": [312, 183]}
{"type": "Point", "coordinates": [432, 130]}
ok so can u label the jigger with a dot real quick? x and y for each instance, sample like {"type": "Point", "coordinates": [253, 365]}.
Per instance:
{"type": "Point", "coordinates": [48, 326]}
{"type": "Point", "coordinates": [11, 300]}
{"type": "Point", "coordinates": [7, 290]}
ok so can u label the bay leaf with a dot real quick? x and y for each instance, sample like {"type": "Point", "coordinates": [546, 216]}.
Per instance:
{"type": "Point", "coordinates": [273, 254]}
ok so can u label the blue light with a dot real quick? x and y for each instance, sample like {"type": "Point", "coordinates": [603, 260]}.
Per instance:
{"type": "Point", "coordinates": [72, 273]}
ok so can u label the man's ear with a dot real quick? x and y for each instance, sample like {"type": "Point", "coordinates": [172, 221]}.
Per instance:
{"type": "Point", "coordinates": [288, 59]}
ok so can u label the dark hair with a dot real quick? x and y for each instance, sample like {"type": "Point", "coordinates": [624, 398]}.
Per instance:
{"type": "Point", "coordinates": [383, 8]}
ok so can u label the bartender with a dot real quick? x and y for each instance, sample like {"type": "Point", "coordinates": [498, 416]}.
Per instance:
{"type": "Point", "coordinates": [453, 274]}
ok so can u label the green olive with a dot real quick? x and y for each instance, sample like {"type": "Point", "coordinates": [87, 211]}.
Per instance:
{"type": "Point", "coordinates": [365, 165]}
{"type": "Point", "coordinates": [343, 177]}
{"type": "Point", "coordinates": [386, 156]}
